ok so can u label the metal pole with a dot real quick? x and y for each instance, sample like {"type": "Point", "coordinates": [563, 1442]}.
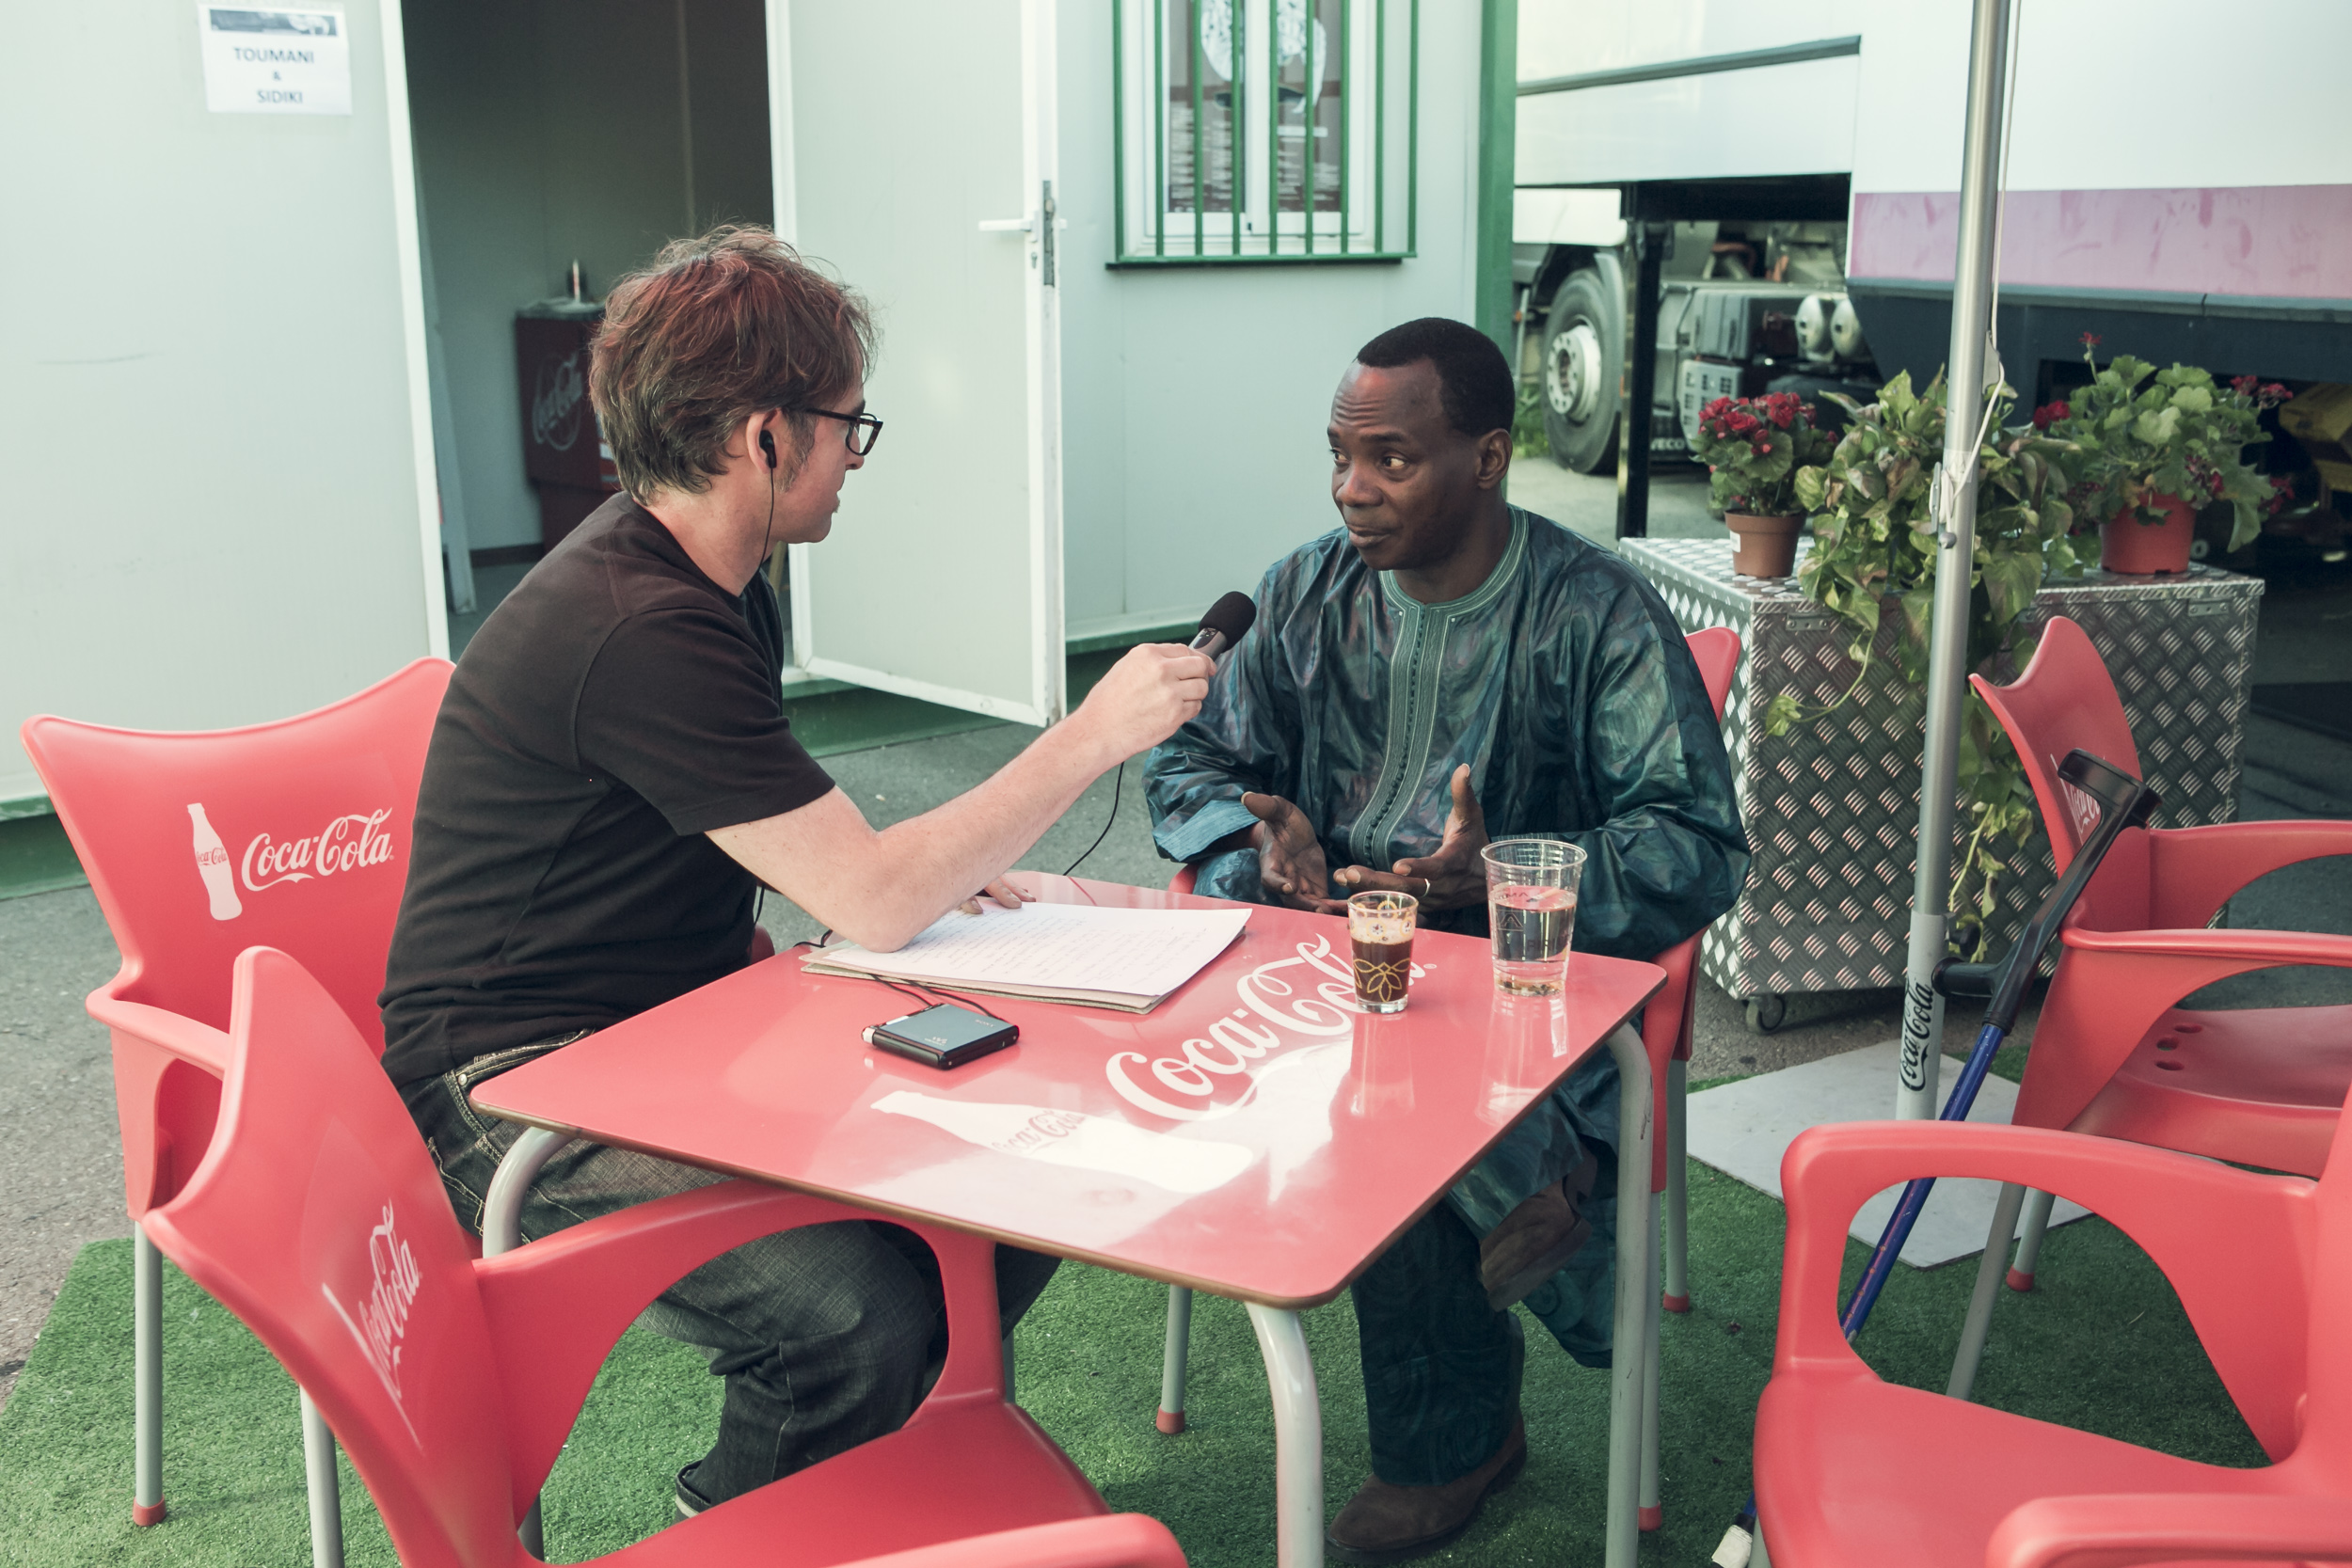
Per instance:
{"type": "Point", "coordinates": [1179, 1350]}
{"type": "Point", "coordinates": [1956, 505]}
{"type": "Point", "coordinates": [1641, 380]}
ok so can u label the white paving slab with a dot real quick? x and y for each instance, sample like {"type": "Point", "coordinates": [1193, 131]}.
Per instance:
{"type": "Point", "coordinates": [1743, 1129]}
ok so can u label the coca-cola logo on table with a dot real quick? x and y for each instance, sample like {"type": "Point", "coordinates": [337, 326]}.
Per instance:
{"type": "Point", "coordinates": [1273, 1017]}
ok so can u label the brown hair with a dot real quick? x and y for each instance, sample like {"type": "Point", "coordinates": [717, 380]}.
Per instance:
{"type": "Point", "coordinates": [718, 328]}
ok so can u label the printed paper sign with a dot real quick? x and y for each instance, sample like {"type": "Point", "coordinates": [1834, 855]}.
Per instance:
{"type": "Point", "coordinates": [274, 62]}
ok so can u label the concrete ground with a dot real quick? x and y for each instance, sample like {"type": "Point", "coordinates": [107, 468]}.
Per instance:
{"type": "Point", "coordinates": [1587, 503]}
{"type": "Point", "coordinates": [61, 1165]}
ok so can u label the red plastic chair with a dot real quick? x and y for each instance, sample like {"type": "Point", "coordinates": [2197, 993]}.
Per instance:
{"type": "Point", "coordinates": [1666, 1037]}
{"type": "Point", "coordinates": [453, 1381]}
{"type": "Point", "coordinates": [1850, 1470]}
{"type": "Point", "coordinates": [2113, 1054]}
{"type": "Point", "coordinates": [197, 845]}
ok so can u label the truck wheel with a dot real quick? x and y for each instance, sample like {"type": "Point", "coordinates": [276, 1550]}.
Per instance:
{"type": "Point", "coordinates": [1583, 355]}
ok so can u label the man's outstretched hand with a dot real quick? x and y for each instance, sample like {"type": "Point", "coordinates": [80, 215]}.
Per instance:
{"type": "Point", "coordinates": [1453, 878]}
{"type": "Point", "coordinates": [1290, 857]}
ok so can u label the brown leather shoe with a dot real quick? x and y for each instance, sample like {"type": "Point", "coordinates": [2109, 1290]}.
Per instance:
{"type": "Point", "coordinates": [1391, 1524]}
{"type": "Point", "coordinates": [1537, 1238]}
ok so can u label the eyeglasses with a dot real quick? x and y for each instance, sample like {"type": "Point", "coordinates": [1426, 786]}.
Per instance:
{"type": "Point", "coordinates": [865, 430]}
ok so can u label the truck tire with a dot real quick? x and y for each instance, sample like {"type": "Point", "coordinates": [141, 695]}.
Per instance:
{"type": "Point", "coordinates": [1583, 358]}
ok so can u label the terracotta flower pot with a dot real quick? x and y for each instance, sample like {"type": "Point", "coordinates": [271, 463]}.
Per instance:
{"type": "Point", "coordinates": [1768, 546]}
{"type": "Point", "coordinates": [2136, 548]}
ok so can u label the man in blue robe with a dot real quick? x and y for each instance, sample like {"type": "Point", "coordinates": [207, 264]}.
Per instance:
{"type": "Point", "coordinates": [1443, 669]}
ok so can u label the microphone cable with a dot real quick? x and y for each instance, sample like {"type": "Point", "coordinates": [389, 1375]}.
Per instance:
{"type": "Point", "coordinates": [1118, 784]}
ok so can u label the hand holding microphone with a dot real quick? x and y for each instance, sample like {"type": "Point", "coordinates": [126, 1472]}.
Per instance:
{"type": "Point", "coordinates": [1156, 686]}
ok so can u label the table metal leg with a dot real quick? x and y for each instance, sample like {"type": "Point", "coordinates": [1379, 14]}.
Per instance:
{"type": "Point", "coordinates": [1171, 1414]}
{"type": "Point", "coordinates": [503, 1212]}
{"type": "Point", "coordinates": [1297, 1438]}
{"type": "Point", "coordinates": [1637, 1299]}
{"type": "Point", "coordinates": [502, 1231]}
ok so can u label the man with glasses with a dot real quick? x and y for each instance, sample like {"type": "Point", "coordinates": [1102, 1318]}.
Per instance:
{"type": "Point", "coordinates": [611, 777]}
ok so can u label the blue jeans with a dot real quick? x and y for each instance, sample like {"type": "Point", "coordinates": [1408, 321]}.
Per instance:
{"type": "Point", "coordinates": [826, 1336]}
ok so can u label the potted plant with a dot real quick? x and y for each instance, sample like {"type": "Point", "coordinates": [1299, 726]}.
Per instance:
{"type": "Point", "coordinates": [2155, 446]}
{"type": "Point", "coordinates": [1752, 448]}
{"type": "Point", "coordinates": [1873, 559]}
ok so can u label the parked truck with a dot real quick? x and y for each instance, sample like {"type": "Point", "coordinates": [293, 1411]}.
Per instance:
{"type": "Point", "coordinates": [2171, 192]}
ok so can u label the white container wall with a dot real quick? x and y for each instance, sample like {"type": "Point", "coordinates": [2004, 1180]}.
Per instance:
{"type": "Point", "coordinates": [212, 388]}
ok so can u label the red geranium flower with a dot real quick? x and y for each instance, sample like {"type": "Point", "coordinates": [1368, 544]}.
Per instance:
{"type": "Point", "coordinates": [2090, 340]}
{"type": "Point", "coordinates": [2049, 414]}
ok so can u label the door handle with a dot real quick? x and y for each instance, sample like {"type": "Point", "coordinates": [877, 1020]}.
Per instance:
{"type": "Point", "coordinates": [1041, 224]}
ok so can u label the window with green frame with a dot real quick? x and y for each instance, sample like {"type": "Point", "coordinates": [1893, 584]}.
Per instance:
{"type": "Point", "coordinates": [1257, 131]}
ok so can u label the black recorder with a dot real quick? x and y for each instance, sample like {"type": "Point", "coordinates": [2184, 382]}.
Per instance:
{"type": "Point", "coordinates": [942, 1037]}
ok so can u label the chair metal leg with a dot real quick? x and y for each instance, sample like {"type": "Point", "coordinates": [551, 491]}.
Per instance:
{"type": "Point", "coordinates": [1171, 1413]}
{"type": "Point", "coordinates": [326, 1503]}
{"type": "Point", "coordinates": [502, 1210]}
{"type": "Point", "coordinates": [502, 1231]}
{"type": "Point", "coordinates": [147, 1379]}
{"type": "Point", "coordinates": [1637, 1299]}
{"type": "Point", "coordinates": [1675, 1235]}
{"type": "Point", "coordinates": [2029, 1243]}
{"type": "Point", "coordinates": [1653, 1515]}
{"type": "Point", "coordinates": [1297, 1437]}
{"type": "Point", "coordinates": [1980, 1323]}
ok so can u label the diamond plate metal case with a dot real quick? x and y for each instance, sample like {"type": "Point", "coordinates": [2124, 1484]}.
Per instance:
{"type": "Point", "coordinates": [1832, 807]}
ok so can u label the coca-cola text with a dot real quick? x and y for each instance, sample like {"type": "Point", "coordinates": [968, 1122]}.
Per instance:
{"type": "Point", "coordinates": [346, 844]}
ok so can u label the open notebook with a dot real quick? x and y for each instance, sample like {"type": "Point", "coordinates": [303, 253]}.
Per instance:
{"type": "Point", "coordinates": [1128, 960]}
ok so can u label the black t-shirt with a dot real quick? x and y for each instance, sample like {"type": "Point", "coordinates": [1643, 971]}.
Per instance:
{"type": "Point", "coordinates": [617, 706]}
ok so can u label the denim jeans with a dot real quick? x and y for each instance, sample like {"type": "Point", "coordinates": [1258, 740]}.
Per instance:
{"type": "Point", "coordinates": [826, 1336]}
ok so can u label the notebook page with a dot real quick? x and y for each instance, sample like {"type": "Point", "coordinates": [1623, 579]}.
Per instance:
{"type": "Point", "coordinates": [1068, 946]}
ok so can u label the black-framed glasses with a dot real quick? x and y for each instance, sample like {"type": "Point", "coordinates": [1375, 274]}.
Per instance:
{"type": "Point", "coordinates": [865, 430]}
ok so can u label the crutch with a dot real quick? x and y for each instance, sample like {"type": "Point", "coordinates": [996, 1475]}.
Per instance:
{"type": "Point", "coordinates": [2122, 802]}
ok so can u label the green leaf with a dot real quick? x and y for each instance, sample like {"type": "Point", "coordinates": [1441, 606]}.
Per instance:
{"type": "Point", "coordinates": [1780, 713]}
{"type": "Point", "coordinates": [1918, 613]}
{"type": "Point", "coordinates": [1812, 487]}
{"type": "Point", "coordinates": [2157, 429]}
{"type": "Point", "coordinates": [2011, 579]}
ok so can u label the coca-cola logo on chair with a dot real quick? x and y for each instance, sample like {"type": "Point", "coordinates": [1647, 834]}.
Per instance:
{"type": "Point", "coordinates": [349, 843]}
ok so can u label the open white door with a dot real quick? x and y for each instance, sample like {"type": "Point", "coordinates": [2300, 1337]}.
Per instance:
{"type": "Point", "coordinates": [908, 163]}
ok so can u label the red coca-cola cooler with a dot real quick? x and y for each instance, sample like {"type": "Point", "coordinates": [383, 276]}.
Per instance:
{"type": "Point", "coordinates": [563, 455]}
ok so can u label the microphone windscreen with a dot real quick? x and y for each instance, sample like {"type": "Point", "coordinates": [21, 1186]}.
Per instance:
{"type": "Point", "coordinates": [1234, 614]}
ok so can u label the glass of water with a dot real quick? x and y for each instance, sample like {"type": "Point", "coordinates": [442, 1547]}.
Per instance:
{"type": "Point", "coordinates": [1531, 912]}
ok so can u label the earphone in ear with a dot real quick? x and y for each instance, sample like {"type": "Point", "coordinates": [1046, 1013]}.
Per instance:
{"type": "Point", "coordinates": [768, 445]}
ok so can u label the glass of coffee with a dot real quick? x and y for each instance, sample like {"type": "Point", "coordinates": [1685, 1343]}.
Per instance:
{"type": "Point", "coordinates": [1380, 930]}
{"type": "Point", "coordinates": [1531, 912]}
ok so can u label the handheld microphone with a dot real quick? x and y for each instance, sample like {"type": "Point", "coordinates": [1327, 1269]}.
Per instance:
{"type": "Point", "coordinates": [1224, 625]}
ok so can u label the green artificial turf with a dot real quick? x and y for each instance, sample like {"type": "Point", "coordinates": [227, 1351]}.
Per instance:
{"type": "Point", "coordinates": [2101, 1343]}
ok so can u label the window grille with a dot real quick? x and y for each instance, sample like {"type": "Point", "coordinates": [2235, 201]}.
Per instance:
{"type": "Point", "coordinates": [1258, 131]}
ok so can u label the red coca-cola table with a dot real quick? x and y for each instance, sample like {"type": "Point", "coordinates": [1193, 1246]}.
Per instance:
{"type": "Point", "coordinates": [1255, 1136]}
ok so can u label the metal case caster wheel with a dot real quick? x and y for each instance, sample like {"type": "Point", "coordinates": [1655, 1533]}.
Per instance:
{"type": "Point", "coordinates": [1766, 1013]}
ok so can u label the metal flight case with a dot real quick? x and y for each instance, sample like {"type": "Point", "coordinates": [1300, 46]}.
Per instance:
{"type": "Point", "coordinates": [1832, 806]}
